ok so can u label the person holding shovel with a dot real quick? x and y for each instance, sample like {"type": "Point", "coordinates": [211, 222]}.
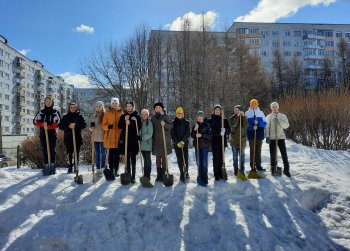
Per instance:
{"type": "Point", "coordinates": [96, 121]}
{"type": "Point", "coordinates": [133, 120]}
{"type": "Point", "coordinates": [219, 130]}
{"type": "Point", "coordinates": [161, 120]}
{"type": "Point", "coordinates": [238, 123]}
{"type": "Point", "coordinates": [255, 132]}
{"type": "Point", "coordinates": [180, 134]}
{"type": "Point", "coordinates": [73, 120]}
{"type": "Point", "coordinates": [202, 135]}
{"type": "Point", "coordinates": [146, 142]}
{"type": "Point", "coordinates": [111, 134]}
{"type": "Point", "coordinates": [276, 124]}
{"type": "Point", "coordinates": [47, 120]}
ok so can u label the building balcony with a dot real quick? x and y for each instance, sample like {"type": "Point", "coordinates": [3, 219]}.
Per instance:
{"type": "Point", "coordinates": [312, 36]}
{"type": "Point", "coordinates": [20, 75]}
{"type": "Point", "coordinates": [20, 65]}
{"type": "Point", "coordinates": [20, 85]}
{"type": "Point", "coordinates": [319, 57]}
{"type": "Point", "coordinates": [311, 46]}
{"type": "Point", "coordinates": [20, 94]}
{"type": "Point", "coordinates": [39, 75]}
{"type": "Point", "coordinates": [21, 103]}
{"type": "Point", "coordinates": [315, 67]}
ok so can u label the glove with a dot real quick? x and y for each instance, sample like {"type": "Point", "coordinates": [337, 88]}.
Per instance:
{"type": "Point", "coordinates": [222, 133]}
{"type": "Point", "coordinates": [110, 126]}
{"type": "Point", "coordinates": [139, 138]}
{"type": "Point", "coordinates": [181, 144]}
{"type": "Point", "coordinates": [268, 140]}
{"type": "Point", "coordinates": [92, 124]}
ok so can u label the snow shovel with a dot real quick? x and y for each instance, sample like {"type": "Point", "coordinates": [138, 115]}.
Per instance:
{"type": "Point", "coordinates": [240, 175]}
{"type": "Point", "coordinates": [168, 179]}
{"type": "Point", "coordinates": [223, 169]}
{"type": "Point", "coordinates": [144, 180]}
{"type": "Point", "coordinates": [107, 172]}
{"type": "Point", "coordinates": [277, 171]}
{"type": "Point", "coordinates": [253, 174]}
{"type": "Point", "coordinates": [47, 169]}
{"type": "Point", "coordinates": [125, 178]}
{"type": "Point", "coordinates": [78, 178]}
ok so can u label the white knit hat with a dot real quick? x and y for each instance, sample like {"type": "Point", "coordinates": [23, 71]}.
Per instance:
{"type": "Point", "coordinates": [114, 100]}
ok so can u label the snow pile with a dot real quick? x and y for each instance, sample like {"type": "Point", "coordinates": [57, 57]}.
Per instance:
{"type": "Point", "coordinates": [310, 211]}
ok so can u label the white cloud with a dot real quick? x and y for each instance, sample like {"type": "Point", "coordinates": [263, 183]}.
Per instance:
{"type": "Point", "coordinates": [24, 52]}
{"type": "Point", "coordinates": [272, 10]}
{"type": "Point", "coordinates": [196, 21]}
{"type": "Point", "coordinates": [78, 80]}
{"type": "Point", "coordinates": [84, 28]}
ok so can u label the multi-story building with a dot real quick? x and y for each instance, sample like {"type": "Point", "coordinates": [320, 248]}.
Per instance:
{"type": "Point", "coordinates": [24, 83]}
{"type": "Point", "coordinates": [312, 43]}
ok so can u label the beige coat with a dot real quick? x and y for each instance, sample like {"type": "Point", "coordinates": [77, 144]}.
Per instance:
{"type": "Point", "coordinates": [98, 131]}
{"type": "Point", "coordinates": [276, 119]}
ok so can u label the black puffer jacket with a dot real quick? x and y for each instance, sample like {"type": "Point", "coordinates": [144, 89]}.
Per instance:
{"type": "Point", "coordinates": [72, 117]}
{"type": "Point", "coordinates": [180, 131]}
{"type": "Point", "coordinates": [215, 125]}
{"type": "Point", "coordinates": [204, 129]}
{"type": "Point", "coordinates": [133, 145]}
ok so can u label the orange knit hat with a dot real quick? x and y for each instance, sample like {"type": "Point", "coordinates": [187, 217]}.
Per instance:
{"type": "Point", "coordinates": [254, 102]}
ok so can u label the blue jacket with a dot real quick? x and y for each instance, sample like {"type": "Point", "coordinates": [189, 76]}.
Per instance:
{"type": "Point", "coordinates": [260, 117]}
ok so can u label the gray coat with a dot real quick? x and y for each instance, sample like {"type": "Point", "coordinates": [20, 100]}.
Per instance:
{"type": "Point", "coordinates": [157, 144]}
{"type": "Point", "coordinates": [146, 134]}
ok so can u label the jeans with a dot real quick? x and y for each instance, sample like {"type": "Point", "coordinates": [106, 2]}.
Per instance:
{"type": "Point", "coordinates": [236, 153]}
{"type": "Point", "coordinates": [203, 164]}
{"type": "Point", "coordinates": [282, 146]}
{"type": "Point", "coordinates": [100, 155]}
{"type": "Point", "coordinates": [52, 144]}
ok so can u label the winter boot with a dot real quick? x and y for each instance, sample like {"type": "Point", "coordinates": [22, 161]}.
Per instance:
{"type": "Point", "coordinates": [182, 178]}
{"type": "Point", "coordinates": [70, 169]}
{"type": "Point", "coordinates": [287, 173]}
{"type": "Point", "coordinates": [52, 169]}
{"type": "Point", "coordinates": [159, 175]}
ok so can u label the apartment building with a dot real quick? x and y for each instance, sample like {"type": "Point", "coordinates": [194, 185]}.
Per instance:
{"type": "Point", "coordinates": [24, 83]}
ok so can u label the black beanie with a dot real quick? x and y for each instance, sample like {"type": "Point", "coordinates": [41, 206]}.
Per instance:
{"type": "Point", "coordinates": [158, 104]}
{"type": "Point", "coordinates": [239, 107]}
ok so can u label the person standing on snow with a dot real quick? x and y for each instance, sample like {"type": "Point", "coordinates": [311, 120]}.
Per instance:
{"type": "Point", "coordinates": [73, 120]}
{"type": "Point", "coordinates": [130, 118]}
{"type": "Point", "coordinates": [160, 119]}
{"type": "Point", "coordinates": [255, 131]}
{"type": "Point", "coordinates": [180, 134]}
{"type": "Point", "coordinates": [238, 123]}
{"type": "Point", "coordinates": [112, 133]}
{"type": "Point", "coordinates": [216, 142]}
{"type": "Point", "coordinates": [100, 151]}
{"type": "Point", "coordinates": [276, 124]}
{"type": "Point", "coordinates": [146, 142]}
{"type": "Point", "coordinates": [48, 119]}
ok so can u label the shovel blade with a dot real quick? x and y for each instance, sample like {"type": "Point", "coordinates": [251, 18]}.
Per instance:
{"type": "Point", "coordinates": [254, 175]}
{"type": "Point", "coordinates": [145, 182]}
{"type": "Point", "coordinates": [241, 176]}
{"type": "Point", "coordinates": [125, 178]}
{"type": "Point", "coordinates": [78, 179]}
{"type": "Point", "coordinates": [108, 173]}
{"type": "Point", "coordinates": [46, 171]}
{"type": "Point", "coordinates": [168, 180]}
{"type": "Point", "coordinates": [224, 173]}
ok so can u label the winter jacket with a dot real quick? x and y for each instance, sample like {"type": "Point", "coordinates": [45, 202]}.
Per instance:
{"type": "Point", "coordinates": [146, 134]}
{"type": "Point", "coordinates": [180, 131]}
{"type": "Point", "coordinates": [98, 131]}
{"type": "Point", "coordinates": [260, 116]}
{"type": "Point", "coordinates": [111, 117]}
{"type": "Point", "coordinates": [215, 126]}
{"type": "Point", "coordinates": [235, 135]}
{"type": "Point", "coordinates": [157, 140]}
{"type": "Point", "coordinates": [204, 129]}
{"type": "Point", "coordinates": [282, 124]}
{"type": "Point", "coordinates": [72, 117]}
{"type": "Point", "coordinates": [49, 115]}
{"type": "Point", "coordinates": [133, 140]}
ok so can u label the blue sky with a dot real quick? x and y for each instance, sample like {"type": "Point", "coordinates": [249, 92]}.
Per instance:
{"type": "Point", "coordinates": [47, 30]}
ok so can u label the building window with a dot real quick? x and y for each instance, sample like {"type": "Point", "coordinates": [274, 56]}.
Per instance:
{"type": "Point", "coordinates": [264, 54]}
{"type": "Point", "coordinates": [275, 43]}
{"type": "Point", "coordinates": [1, 52]}
{"type": "Point", "coordinates": [1, 63]}
{"type": "Point", "coordinates": [7, 55]}
{"type": "Point", "coordinates": [7, 76]}
{"type": "Point", "coordinates": [347, 34]}
{"type": "Point", "coordinates": [329, 43]}
{"type": "Point", "coordinates": [242, 31]}
{"type": "Point", "coordinates": [254, 31]}
{"type": "Point", "coordinates": [264, 33]}
{"type": "Point", "coordinates": [297, 33]}
{"type": "Point", "coordinates": [7, 97]}
{"type": "Point", "coordinates": [338, 34]}
{"type": "Point", "coordinates": [1, 74]}
{"type": "Point", "coordinates": [286, 33]}
{"type": "Point", "coordinates": [328, 33]}
{"type": "Point", "coordinates": [275, 33]}
{"type": "Point", "coordinates": [7, 108]}
{"type": "Point", "coordinates": [7, 118]}
{"type": "Point", "coordinates": [286, 43]}
{"type": "Point", "coordinates": [287, 53]}
{"type": "Point", "coordinates": [298, 44]}
{"type": "Point", "coordinates": [251, 41]}
{"type": "Point", "coordinates": [299, 53]}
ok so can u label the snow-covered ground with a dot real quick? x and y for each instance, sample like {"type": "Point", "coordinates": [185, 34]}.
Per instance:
{"type": "Point", "coordinates": [310, 211]}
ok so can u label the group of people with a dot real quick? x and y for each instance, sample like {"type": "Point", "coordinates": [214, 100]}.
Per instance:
{"type": "Point", "coordinates": [116, 129]}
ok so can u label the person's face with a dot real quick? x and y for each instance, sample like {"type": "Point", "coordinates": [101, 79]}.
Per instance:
{"type": "Point", "coordinates": [274, 108]}
{"type": "Point", "coordinates": [158, 109]}
{"type": "Point", "coordinates": [99, 108]}
{"type": "Point", "coordinates": [129, 108]}
{"type": "Point", "coordinates": [73, 108]}
{"type": "Point", "coordinates": [236, 111]}
{"type": "Point", "coordinates": [179, 115]}
{"type": "Point", "coordinates": [144, 116]}
{"type": "Point", "coordinates": [217, 111]}
{"type": "Point", "coordinates": [48, 102]}
{"type": "Point", "coordinates": [254, 107]}
{"type": "Point", "coordinates": [200, 119]}
{"type": "Point", "coordinates": [115, 105]}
